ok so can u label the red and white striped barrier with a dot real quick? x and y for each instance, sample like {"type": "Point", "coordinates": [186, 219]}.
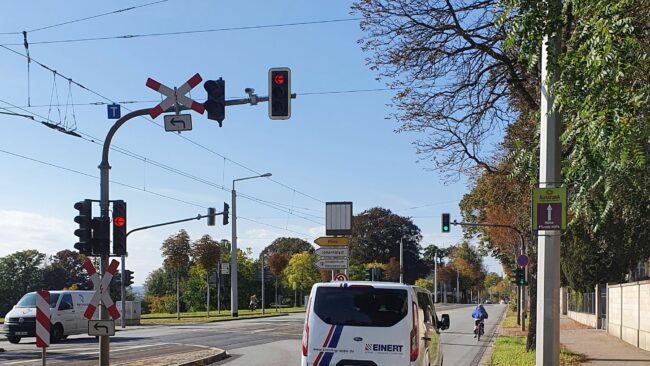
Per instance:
{"type": "Point", "coordinates": [42, 319]}
{"type": "Point", "coordinates": [101, 290]}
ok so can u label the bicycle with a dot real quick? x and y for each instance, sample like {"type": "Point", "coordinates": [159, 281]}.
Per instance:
{"type": "Point", "coordinates": [479, 328]}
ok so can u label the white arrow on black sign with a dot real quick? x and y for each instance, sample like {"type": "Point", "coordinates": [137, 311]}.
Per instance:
{"type": "Point", "coordinates": [181, 122]}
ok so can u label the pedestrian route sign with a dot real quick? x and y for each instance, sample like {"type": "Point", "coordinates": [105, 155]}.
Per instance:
{"type": "Point", "coordinates": [549, 208]}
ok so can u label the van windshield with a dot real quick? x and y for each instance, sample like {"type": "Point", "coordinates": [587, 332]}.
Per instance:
{"type": "Point", "coordinates": [361, 306]}
{"type": "Point", "coordinates": [29, 300]}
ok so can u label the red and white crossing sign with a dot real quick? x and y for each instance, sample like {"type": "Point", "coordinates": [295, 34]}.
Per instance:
{"type": "Point", "coordinates": [101, 289]}
{"type": "Point", "coordinates": [42, 319]}
{"type": "Point", "coordinates": [175, 96]}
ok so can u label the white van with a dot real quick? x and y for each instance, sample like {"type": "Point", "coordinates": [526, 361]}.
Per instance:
{"type": "Point", "coordinates": [371, 324]}
{"type": "Point", "coordinates": [67, 315]}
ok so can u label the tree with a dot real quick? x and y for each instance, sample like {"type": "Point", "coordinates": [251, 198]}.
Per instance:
{"type": "Point", "coordinates": [277, 263]}
{"type": "Point", "coordinates": [194, 287]}
{"type": "Point", "coordinates": [287, 246]}
{"type": "Point", "coordinates": [376, 235]}
{"type": "Point", "coordinates": [301, 272]}
{"type": "Point", "coordinates": [207, 253]}
{"type": "Point", "coordinates": [455, 82]}
{"type": "Point", "coordinates": [65, 270]}
{"type": "Point", "coordinates": [176, 251]}
{"type": "Point", "coordinates": [20, 273]}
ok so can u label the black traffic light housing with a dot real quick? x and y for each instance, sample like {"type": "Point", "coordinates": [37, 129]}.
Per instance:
{"type": "Point", "coordinates": [211, 215]}
{"type": "Point", "coordinates": [119, 227]}
{"type": "Point", "coordinates": [216, 103]}
{"type": "Point", "coordinates": [226, 213]}
{"type": "Point", "coordinates": [280, 93]}
{"type": "Point", "coordinates": [128, 278]}
{"type": "Point", "coordinates": [84, 232]}
{"type": "Point", "coordinates": [446, 223]}
{"type": "Point", "coordinates": [521, 277]}
{"type": "Point", "coordinates": [101, 235]}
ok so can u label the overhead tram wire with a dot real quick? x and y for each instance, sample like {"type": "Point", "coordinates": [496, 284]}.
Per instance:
{"type": "Point", "coordinates": [161, 126]}
{"type": "Point", "coordinates": [144, 190]}
{"type": "Point", "coordinates": [96, 16]}
{"type": "Point", "coordinates": [198, 31]}
{"type": "Point", "coordinates": [99, 142]}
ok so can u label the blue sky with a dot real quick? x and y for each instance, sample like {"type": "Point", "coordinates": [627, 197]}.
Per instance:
{"type": "Point", "coordinates": [335, 147]}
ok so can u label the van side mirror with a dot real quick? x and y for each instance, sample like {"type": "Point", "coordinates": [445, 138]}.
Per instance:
{"type": "Point", "coordinates": [444, 322]}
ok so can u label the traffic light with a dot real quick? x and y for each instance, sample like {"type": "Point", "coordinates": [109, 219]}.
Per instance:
{"type": "Point", "coordinates": [119, 227]}
{"type": "Point", "coordinates": [280, 93]}
{"type": "Point", "coordinates": [128, 278]}
{"type": "Point", "coordinates": [521, 277]}
{"type": "Point", "coordinates": [226, 212]}
{"type": "Point", "coordinates": [445, 223]}
{"type": "Point", "coordinates": [211, 215]}
{"type": "Point", "coordinates": [101, 235]}
{"type": "Point", "coordinates": [375, 274]}
{"type": "Point", "coordinates": [84, 232]}
{"type": "Point", "coordinates": [216, 103]}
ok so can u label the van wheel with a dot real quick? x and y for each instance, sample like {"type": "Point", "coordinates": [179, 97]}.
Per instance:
{"type": "Point", "coordinates": [57, 333]}
{"type": "Point", "coordinates": [13, 339]}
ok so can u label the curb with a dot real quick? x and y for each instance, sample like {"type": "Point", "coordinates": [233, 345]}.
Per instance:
{"type": "Point", "coordinates": [207, 360]}
{"type": "Point", "coordinates": [202, 359]}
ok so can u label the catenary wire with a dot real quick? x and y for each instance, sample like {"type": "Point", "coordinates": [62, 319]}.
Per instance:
{"type": "Point", "coordinates": [96, 16]}
{"type": "Point", "coordinates": [164, 34]}
{"type": "Point", "coordinates": [143, 190]}
{"type": "Point", "coordinates": [99, 142]}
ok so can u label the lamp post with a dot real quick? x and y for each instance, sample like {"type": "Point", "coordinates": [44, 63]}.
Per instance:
{"type": "Point", "coordinates": [234, 304]}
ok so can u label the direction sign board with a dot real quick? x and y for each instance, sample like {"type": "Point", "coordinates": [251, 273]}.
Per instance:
{"type": "Point", "coordinates": [549, 208]}
{"type": "Point", "coordinates": [332, 263]}
{"type": "Point", "coordinates": [332, 252]}
{"type": "Point", "coordinates": [101, 327]}
{"type": "Point", "coordinates": [181, 122]}
{"type": "Point", "coordinates": [332, 241]}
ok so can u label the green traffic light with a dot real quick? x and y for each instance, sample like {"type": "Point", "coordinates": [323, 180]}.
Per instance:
{"type": "Point", "coordinates": [445, 228]}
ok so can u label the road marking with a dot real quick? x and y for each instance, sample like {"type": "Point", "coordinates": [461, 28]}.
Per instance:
{"type": "Point", "coordinates": [262, 330]}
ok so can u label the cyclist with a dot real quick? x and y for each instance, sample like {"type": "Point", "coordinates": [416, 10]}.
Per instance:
{"type": "Point", "coordinates": [479, 315]}
{"type": "Point", "coordinates": [253, 303]}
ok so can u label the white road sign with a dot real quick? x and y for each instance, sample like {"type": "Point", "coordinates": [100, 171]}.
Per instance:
{"type": "Point", "coordinates": [332, 263]}
{"type": "Point", "coordinates": [332, 252]}
{"type": "Point", "coordinates": [101, 327]}
{"type": "Point", "coordinates": [181, 122]}
{"type": "Point", "coordinates": [225, 268]}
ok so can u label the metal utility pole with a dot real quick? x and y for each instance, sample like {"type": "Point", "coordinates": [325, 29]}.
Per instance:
{"type": "Point", "coordinates": [234, 301]}
{"type": "Point", "coordinates": [435, 279]}
{"type": "Point", "coordinates": [123, 293]}
{"type": "Point", "coordinates": [548, 257]}
{"type": "Point", "coordinates": [401, 260]}
{"type": "Point", "coordinates": [457, 285]}
{"type": "Point", "coordinates": [263, 280]}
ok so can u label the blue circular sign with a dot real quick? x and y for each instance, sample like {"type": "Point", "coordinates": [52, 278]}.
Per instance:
{"type": "Point", "coordinates": [522, 260]}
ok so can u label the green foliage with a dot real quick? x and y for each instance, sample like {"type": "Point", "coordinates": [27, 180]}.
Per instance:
{"type": "Point", "coordinates": [206, 252]}
{"type": "Point", "coordinates": [287, 246]}
{"type": "Point", "coordinates": [176, 250]}
{"type": "Point", "coordinates": [301, 272]}
{"type": "Point", "coordinates": [424, 283]}
{"type": "Point", "coordinates": [161, 304]}
{"type": "Point", "coordinates": [20, 272]}
{"type": "Point", "coordinates": [194, 289]}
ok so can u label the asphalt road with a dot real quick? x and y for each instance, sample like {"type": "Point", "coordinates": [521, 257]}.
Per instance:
{"type": "Point", "coordinates": [155, 341]}
{"type": "Point", "coordinates": [458, 343]}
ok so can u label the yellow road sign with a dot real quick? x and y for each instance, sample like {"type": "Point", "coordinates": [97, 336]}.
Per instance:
{"type": "Point", "coordinates": [330, 241]}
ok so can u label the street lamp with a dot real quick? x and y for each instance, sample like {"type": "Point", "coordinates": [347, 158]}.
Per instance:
{"type": "Point", "coordinates": [234, 303]}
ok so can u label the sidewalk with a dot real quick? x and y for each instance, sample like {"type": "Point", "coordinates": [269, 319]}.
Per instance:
{"type": "Point", "coordinates": [599, 347]}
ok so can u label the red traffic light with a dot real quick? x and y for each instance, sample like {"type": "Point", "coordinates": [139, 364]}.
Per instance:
{"type": "Point", "coordinates": [278, 79]}
{"type": "Point", "coordinates": [119, 221]}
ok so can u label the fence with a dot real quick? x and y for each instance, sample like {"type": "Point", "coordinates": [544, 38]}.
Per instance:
{"type": "Point", "coordinates": [627, 309]}
{"type": "Point", "coordinates": [582, 302]}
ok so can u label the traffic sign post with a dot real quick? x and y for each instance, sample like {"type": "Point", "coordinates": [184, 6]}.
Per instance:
{"type": "Point", "coordinates": [341, 277]}
{"type": "Point", "coordinates": [332, 252]}
{"type": "Point", "coordinates": [332, 241]}
{"type": "Point", "coordinates": [522, 260]}
{"type": "Point", "coordinates": [549, 208]}
{"type": "Point", "coordinates": [175, 96]}
{"type": "Point", "coordinates": [101, 328]}
{"type": "Point", "coordinates": [332, 263]}
{"type": "Point", "coordinates": [181, 122]}
{"type": "Point", "coordinates": [113, 111]}
{"type": "Point", "coordinates": [101, 286]}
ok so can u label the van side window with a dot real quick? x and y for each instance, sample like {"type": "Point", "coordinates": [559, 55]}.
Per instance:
{"type": "Point", "coordinates": [425, 305]}
{"type": "Point", "coordinates": [66, 302]}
